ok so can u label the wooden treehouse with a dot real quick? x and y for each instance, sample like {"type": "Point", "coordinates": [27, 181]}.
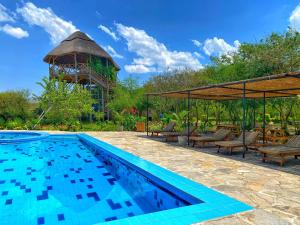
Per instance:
{"type": "Point", "coordinates": [81, 60]}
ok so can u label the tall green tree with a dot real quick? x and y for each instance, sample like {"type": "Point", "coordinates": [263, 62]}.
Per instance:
{"type": "Point", "coordinates": [277, 53]}
{"type": "Point", "coordinates": [64, 103]}
{"type": "Point", "coordinates": [127, 95]}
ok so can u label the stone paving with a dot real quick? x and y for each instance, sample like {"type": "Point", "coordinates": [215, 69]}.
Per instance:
{"type": "Point", "coordinates": [273, 191]}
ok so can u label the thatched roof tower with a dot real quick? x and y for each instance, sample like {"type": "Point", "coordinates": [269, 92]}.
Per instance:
{"type": "Point", "coordinates": [80, 44]}
{"type": "Point", "coordinates": [73, 57]}
{"type": "Point", "coordinates": [83, 61]}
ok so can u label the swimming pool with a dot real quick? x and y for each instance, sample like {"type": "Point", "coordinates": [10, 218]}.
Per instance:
{"type": "Point", "coordinates": [21, 136]}
{"type": "Point", "coordinates": [77, 179]}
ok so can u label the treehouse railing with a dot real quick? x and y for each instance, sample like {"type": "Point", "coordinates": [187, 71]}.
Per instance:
{"type": "Point", "coordinates": [82, 71]}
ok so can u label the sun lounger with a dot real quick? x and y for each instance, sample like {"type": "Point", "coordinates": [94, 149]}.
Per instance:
{"type": "Point", "coordinates": [279, 153]}
{"type": "Point", "coordinates": [250, 138]}
{"type": "Point", "coordinates": [168, 128]}
{"type": "Point", "coordinates": [219, 135]}
{"type": "Point", "coordinates": [173, 136]}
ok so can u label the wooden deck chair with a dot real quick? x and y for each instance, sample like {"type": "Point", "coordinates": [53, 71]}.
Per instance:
{"type": "Point", "coordinates": [219, 135]}
{"type": "Point", "coordinates": [168, 128]}
{"type": "Point", "coordinates": [279, 153]}
{"type": "Point", "coordinates": [250, 138]}
{"type": "Point", "coordinates": [173, 136]}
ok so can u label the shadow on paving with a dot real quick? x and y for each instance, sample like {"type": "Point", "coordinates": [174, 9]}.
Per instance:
{"type": "Point", "coordinates": [292, 165]}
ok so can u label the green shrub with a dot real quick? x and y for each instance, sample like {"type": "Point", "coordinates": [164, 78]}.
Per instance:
{"type": "Point", "coordinates": [90, 127]}
{"type": "Point", "coordinates": [64, 103]}
{"type": "Point", "coordinates": [130, 122]}
{"type": "Point", "coordinates": [155, 125]}
{"type": "Point", "coordinates": [2, 123]}
{"type": "Point", "coordinates": [16, 124]}
{"type": "Point", "coordinates": [14, 104]}
{"type": "Point", "coordinates": [109, 126]}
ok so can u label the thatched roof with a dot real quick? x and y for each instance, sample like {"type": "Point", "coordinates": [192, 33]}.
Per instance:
{"type": "Point", "coordinates": [280, 85]}
{"type": "Point", "coordinates": [82, 45]}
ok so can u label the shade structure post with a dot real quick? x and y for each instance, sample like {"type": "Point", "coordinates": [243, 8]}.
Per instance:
{"type": "Point", "coordinates": [244, 119]}
{"type": "Point", "coordinates": [264, 118]}
{"type": "Point", "coordinates": [75, 62]}
{"type": "Point", "coordinates": [254, 113]}
{"type": "Point", "coordinates": [188, 122]}
{"type": "Point", "coordinates": [147, 120]}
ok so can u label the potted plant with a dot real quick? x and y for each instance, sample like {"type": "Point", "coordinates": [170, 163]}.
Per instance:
{"type": "Point", "coordinates": [140, 124]}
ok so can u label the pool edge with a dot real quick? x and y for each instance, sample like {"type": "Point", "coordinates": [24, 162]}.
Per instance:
{"type": "Point", "coordinates": [208, 210]}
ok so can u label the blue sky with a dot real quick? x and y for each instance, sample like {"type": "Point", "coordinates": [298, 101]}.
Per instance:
{"type": "Point", "coordinates": [144, 37]}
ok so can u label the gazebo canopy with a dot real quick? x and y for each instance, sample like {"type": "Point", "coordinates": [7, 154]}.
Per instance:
{"type": "Point", "coordinates": [280, 85]}
{"type": "Point", "coordinates": [80, 44]}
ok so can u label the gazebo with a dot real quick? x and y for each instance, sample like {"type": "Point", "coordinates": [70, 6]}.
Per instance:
{"type": "Point", "coordinates": [81, 60]}
{"type": "Point", "coordinates": [273, 86]}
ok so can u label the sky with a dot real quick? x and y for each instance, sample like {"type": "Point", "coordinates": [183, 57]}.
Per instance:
{"type": "Point", "coordinates": [145, 38]}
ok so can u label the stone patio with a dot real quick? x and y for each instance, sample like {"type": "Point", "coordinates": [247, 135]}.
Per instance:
{"type": "Point", "coordinates": [273, 191]}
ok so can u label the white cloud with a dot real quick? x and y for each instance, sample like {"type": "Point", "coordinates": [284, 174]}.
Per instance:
{"type": "Point", "coordinates": [108, 31]}
{"type": "Point", "coordinates": [218, 47]}
{"type": "Point", "coordinates": [56, 27]}
{"type": "Point", "coordinates": [112, 52]}
{"type": "Point", "coordinates": [295, 18]}
{"type": "Point", "coordinates": [197, 43]}
{"type": "Point", "coordinates": [153, 56]}
{"type": "Point", "coordinates": [198, 55]}
{"type": "Point", "coordinates": [139, 69]}
{"type": "Point", "coordinates": [16, 32]}
{"type": "Point", "coordinates": [5, 14]}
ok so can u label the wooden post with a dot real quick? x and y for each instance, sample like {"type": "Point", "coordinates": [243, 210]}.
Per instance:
{"type": "Point", "coordinates": [264, 118]}
{"type": "Point", "coordinates": [75, 61]}
{"type": "Point", "coordinates": [107, 97]}
{"type": "Point", "coordinates": [244, 119]}
{"type": "Point", "coordinates": [147, 120]}
{"type": "Point", "coordinates": [189, 109]}
{"type": "Point", "coordinates": [102, 99]}
{"type": "Point", "coordinates": [53, 66]}
{"type": "Point", "coordinates": [254, 113]}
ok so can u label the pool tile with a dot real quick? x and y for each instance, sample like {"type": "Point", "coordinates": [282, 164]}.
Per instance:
{"type": "Point", "coordinates": [60, 217]}
{"type": "Point", "coordinates": [86, 174]}
{"type": "Point", "coordinates": [113, 205]}
{"type": "Point", "coordinates": [8, 202]}
{"type": "Point", "coordinates": [40, 220]}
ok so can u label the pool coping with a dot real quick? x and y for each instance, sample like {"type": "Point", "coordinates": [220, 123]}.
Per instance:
{"type": "Point", "coordinates": [215, 204]}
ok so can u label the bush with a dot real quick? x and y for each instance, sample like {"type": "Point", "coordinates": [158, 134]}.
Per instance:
{"type": "Point", "coordinates": [15, 104]}
{"type": "Point", "coordinates": [2, 123]}
{"type": "Point", "coordinates": [130, 122]}
{"type": "Point", "coordinates": [109, 126]}
{"type": "Point", "coordinates": [64, 103]}
{"type": "Point", "coordinates": [16, 124]}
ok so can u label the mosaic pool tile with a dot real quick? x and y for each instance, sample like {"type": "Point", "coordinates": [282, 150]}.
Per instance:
{"type": "Point", "coordinates": [63, 180]}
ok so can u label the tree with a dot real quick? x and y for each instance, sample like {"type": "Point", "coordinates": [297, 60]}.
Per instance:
{"type": "Point", "coordinates": [127, 95]}
{"type": "Point", "coordinates": [67, 102]}
{"type": "Point", "coordinates": [277, 53]}
{"type": "Point", "coordinates": [15, 104]}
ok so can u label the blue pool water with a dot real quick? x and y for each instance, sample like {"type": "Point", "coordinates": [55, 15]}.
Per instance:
{"type": "Point", "coordinates": [14, 135]}
{"type": "Point", "coordinates": [20, 136]}
{"type": "Point", "coordinates": [69, 179]}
